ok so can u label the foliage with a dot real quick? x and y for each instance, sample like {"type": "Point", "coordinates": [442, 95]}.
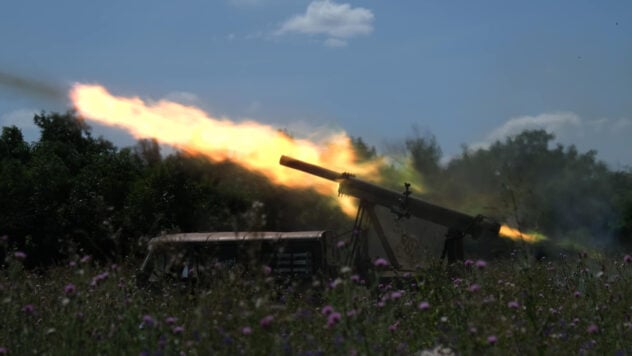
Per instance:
{"type": "Point", "coordinates": [509, 306]}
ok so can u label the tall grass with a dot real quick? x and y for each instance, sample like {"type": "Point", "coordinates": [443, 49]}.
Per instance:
{"type": "Point", "coordinates": [573, 305]}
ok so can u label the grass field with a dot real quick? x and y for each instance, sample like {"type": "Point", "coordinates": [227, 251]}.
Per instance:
{"type": "Point", "coordinates": [573, 305]}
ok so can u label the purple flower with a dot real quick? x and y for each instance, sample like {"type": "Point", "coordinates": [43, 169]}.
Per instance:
{"type": "Point", "coordinates": [28, 309]}
{"type": "Point", "coordinates": [3, 351]}
{"type": "Point", "coordinates": [333, 319]}
{"type": "Point", "coordinates": [513, 304]}
{"type": "Point", "coordinates": [380, 262]}
{"type": "Point", "coordinates": [393, 326]}
{"type": "Point", "coordinates": [474, 288]}
{"type": "Point", "coordinates": [423, 306]}
{"type": "Point", "coordinates": [178, 329]}
{"type": "Point", "coordinates": [396, 295]}
{"type": "Point", "coordinates": [19, 255]}
{"type": "Point", "coordinates": [170, 320]}
{"type": "Point", "coordinates": [85, 259]}
{"type": "Point", "coordinates": [468, 263]}
{"type": "Point", "coordinates": [592, 329]}
{"type": "Point", "coordinates": [577, 294]}
{"type": "Point", "coordinates": [341, 244]}
{"type": "Point", "coordinates": [327, 309]}
{"type": "Point", "coordinates": [266, 269]}
{"type": "Point", "coordinates": [147, 321]}
{"type": "Point", "coordinates": [70, 289]}
{"type": "Point", "coordinates": [355, 278]}
{"type": "Point", "coordinates": [266, 321]}
{"type": "Point", "coordinates": [492, 339]}
{"type": "Point", "coordinates": [480, 264]}
{"type": "Point", "coordinates": [246, 330]}
{"type": "Point", "coordinates": [627, 259]}
{"type": "Point", "coordinates": [72, 263]}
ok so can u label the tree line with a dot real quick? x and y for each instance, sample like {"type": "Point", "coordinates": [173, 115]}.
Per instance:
{"type": "Point", "coordinates": [71, 193]}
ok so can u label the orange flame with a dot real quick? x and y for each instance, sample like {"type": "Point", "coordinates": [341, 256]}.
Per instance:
{"type": "Point", "coordinates": [253, 145]}
{"type": "Point", "coordinates": [515, 234]}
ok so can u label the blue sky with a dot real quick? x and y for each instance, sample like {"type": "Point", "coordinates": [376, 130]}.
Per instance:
{"type": "Point", "coordinates": [468, 72]}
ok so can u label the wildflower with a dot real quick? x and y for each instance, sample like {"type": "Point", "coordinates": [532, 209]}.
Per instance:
{"type": "Point", "coordinates": [333, 284]}
{"type": "Point", "coordinates": [423, 306]}
{"type": "Point", "coordinates": [3, 351]}
{"type": "Point", "coordinates": [393, 326]}
{"type": "Point", "coordinates": [380, 262]}
{"type": "Point", "coordinates": [170, 320]}
{"type": "Point", "coordinates": [345, 269]}
{"type": "Point", "coordinates": [266, 321]}
{"type": "Point", "coordinates": [333, 319]}
{"type": "Point", "coordinates": [70, 289]}
{"type": "Point", "coordinates": [246, 330]}
{"type": "Point", "coordinates": [627, 259]}
{"type": "Point", "coordinates": [352, 312]}
{"type": "Point", "coordinates": [355, 278]}
{"type": "Point", "coordinates": [341, 244]}
{"type": "Point", "coordinates": [28, 309]}
{"type": "Point", "coordinates": [19, 255]}
{"type": "Point", "coordinates": [513, 304]}
{"type": "Point", "coordinates": [327, 309]}
{"type": "Point", "coordinates": [592, 329]}
{"type": "Point", "coordinates": [72, 264]}
{"type": "Point", "coordinates": [266, 269]}
{"type": "Point", "coordinates": [492, 339]}
{"type": "Point", "coordinates": [396, 295]}
{"type": "Point", "coordinates": [577, 294]}
{"type": "Point", "coordinates": [480, 264]}
{"type": "Point", "coordinates": [468, 263]}
{"type": "Point", "coordinates": [85, 259]}
{"type": "Point", "coordinates": [148, 321]}
{"type": "Point", "coordinates": [178, 329]}
{"type": "Point", "coordinates": [474, 288]}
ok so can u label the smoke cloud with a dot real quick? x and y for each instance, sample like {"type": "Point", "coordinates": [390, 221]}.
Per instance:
{"type": "Point", "coordinates": [32, 86]}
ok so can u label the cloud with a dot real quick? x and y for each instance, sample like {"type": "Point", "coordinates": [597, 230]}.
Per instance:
{"type": "Point", "coordinates": [610, 137]}
{"type": "Point", "coordinates": [183, 97]}
{"type": "Point", "coordinates": [338, 22]}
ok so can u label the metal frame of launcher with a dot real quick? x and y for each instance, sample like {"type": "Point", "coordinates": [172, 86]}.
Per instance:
{"type": "Point", "coordinates": [403, 205]}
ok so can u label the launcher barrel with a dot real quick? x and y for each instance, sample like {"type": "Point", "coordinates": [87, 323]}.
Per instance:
{"type": "Point", "coordinates": [378, 195]}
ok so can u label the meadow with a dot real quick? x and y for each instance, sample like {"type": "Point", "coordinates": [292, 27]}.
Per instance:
{"type": "Point", "coordinates": [575, 304]}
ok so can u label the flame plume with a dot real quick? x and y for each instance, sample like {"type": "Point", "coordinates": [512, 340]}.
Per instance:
{"type": "Point", "coordinates": [515, 234]}
{"type": "Point", "coordinates": [253, 145]}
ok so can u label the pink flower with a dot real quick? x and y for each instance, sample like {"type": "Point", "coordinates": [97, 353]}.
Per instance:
{"type": "Point", "coordinates": [577, 294]}
{"type": "Point", "coordinates": [178, 329]}
{"type": "Point", "coordinates": [327, 309]}
{"type": "Point", "coordinates": [513, 304]}
{"type": "Point", "coordinates": [170, 320]}
{"type": "Point", "coordinates": [474, 288]}
{"type": "Point", "coordinates": [70, 289]}
{"type": "Point", "coordinates": [492, 339]}
{"type": "Point", "coordinates": [627, 259]}
{"type": "Point", "coordinates": [266, 269]}
{"type": "Point", "coordinates": [592, 329]}
{"type": "Point", "coordinates": [480, 264]}
{"type": "Point", "coordinates": [266, 321]}
{"type": "Point", "coordinates": [468, 263]}
{"type": "Point", "coordinates": [380, 262]}
{"type": "Point", "coordinates": [246, 330]}
{"type": "Point", "coordinates": [28, 309]}
{"type": "Point", "coordinates": [333, 319]}
{"type": "Point", "coordinates": [423, 306]}
{"type": "Point", "coordinates": [85, 259]}
{"type": "Point", "coordinates": [396, 295]}
{"type": "Point", "coordinates": [19, 255]}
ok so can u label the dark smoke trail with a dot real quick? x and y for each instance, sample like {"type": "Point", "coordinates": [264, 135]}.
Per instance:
{"type": "Point", "coordinates": [33, 86]}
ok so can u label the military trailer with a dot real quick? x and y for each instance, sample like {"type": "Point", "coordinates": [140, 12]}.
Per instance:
{"type": "Point", "coordinates": [193, 257]}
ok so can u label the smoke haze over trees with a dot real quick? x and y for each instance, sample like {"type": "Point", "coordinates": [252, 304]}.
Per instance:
{"type": "Point", "coordinates": [73, 193]}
